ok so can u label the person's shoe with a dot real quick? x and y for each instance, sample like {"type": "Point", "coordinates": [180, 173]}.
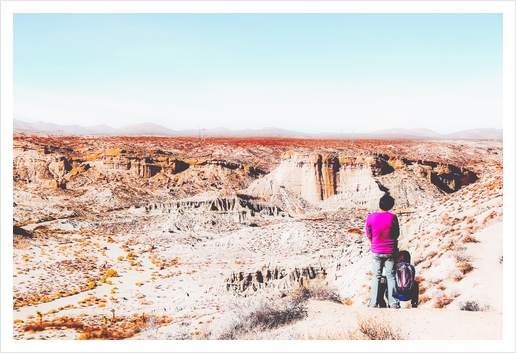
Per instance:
{"type": "Point", "coordinates": [395, 306]}
{"type": "Point", "coordinates": [372, 306]}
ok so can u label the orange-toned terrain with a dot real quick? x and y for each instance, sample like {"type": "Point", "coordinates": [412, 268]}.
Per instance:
{"type": "Point", "coordinates": [113, 235]}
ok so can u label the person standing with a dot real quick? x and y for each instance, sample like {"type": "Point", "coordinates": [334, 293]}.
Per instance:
{"type": "Point", "coordinates": [382, 229]}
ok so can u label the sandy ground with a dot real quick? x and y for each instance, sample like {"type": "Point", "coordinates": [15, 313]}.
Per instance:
{"type": "Point", "coordinates": [326, 320]}
{"type": "Point", "coordinates": [413, 324]}
{"type": "Point", "coordinates": [422, 330]}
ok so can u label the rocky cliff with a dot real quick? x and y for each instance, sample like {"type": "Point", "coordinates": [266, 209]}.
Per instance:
{"type": "Point", "coordinates": [358, 181]}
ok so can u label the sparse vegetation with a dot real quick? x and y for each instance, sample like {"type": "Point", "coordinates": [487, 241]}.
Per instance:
{"type": "Point", "coordinates": [464, 267]}
{"type": "Point", "coordinates": [489, 217]}
{"type": "Point", "coordinates": [183, 333]}
{"type": "Point", "coordinates": [63, 322]}
{"type": "Point", "coordinates": [372, 329]}
{"type": "Point", "coordinates": [262, 315]}
{"type": "Point", "coordinates": [347, 301]}
{"type": "Point", "coordinates": [423, 299]}
{"type": "Point", "coordinates": [420, 280]}
{"type": "Point", "coordinates": [251, 318]}
{"type": "Point", "coordinates": [318, 292]}
{"type": "Point", "coordinates": [21, 242]}
{"type": "Point", "coordinates": [432, 254]}
{"type": "Point", "coordinates": [462, 257]}
{"type": "Point", "coordinates": [443, 301]}
{"type": "Point", "coordinates": [470, 239]}
{"type": "Point", "coordinates": [458, 276]}
{"type": "Point", "coordinates": [150, 328]}
{"type": "Point", "coordinates": [472, 305]}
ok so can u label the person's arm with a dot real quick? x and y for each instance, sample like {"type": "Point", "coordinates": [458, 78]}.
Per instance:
{"type": "Point", "coordinates": [369, 234]}
{"type": "Point", "coordinates": [395, 230]}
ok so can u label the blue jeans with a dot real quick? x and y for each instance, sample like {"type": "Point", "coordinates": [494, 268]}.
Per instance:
{"type": "Point", "coordinates": [379, 262]}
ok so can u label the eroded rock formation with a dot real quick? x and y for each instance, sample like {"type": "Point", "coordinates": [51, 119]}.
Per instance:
{"type": "Point", "coordinates": [316, 177]}
{"type": "Point", "coordinates": [205, 212]}
{"type": "Point", "coordinates": [148, 180]}
{"type": "Point", "coordinates": [274, 279]}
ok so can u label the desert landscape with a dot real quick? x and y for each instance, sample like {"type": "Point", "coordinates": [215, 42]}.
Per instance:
{"type": "Point", "coordinates": [213, 239]}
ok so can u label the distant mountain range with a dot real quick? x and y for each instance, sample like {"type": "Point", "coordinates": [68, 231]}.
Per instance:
{"type": "Point", "coordinates": [158, 130]}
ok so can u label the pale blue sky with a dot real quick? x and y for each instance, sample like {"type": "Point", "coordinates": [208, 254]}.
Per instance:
{"type": "Point", "coordinates": [307, 72]}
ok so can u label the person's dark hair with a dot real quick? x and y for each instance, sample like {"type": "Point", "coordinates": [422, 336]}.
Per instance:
{"type": "Point", "coordinates": [404, 256]}
{"type": "Point", "coordinates": [386, 202]}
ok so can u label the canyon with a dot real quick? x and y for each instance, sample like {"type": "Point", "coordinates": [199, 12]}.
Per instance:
{"type": "Point", "coordinates": [189, 226]}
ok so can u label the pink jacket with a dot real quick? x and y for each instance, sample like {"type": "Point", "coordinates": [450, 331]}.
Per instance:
{"type": "Point", "coordinates": [383, 229]}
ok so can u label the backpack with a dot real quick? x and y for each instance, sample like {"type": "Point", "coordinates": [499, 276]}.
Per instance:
{"type": "Point", "coordinates": [404, 276]}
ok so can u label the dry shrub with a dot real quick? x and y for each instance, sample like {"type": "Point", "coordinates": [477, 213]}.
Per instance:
{"type": "Point", "coordinates": [464, 267]}
{"type": "Point", "coordinates": [20, 242]}
{"type": "Point", "coordinates": [446, 220]}
{"type": "Point", "coordinates": [347, 301]}
{"type": "Point", "coordinates": [34, 327]}
{"type": "Point", "coordinates": [317, 292]}
{"type": "Point", "coordinates": [124, 328]}
{"type": "Point", "coordinates": [103, 332]}
{"type": "Point", "coordinates": [54, 324]}
{"type": "Point", "coordinates": [472, 305]}
{"type": "Point", "coordinates": [459, 248]}
{"type": "Point", "coordinates": [150, 328]}
{"type": "Point", "coordinates": [489, 217]}
{"type": "Point", "coordinates": [426, 265]}
{"type": "Point", "coordinates": [371, 329]}
{"type": "Point", "coordinates": [423, 299]}
{"type": "Point", "coordinates": [470, 239]}
{"type": "Point", "coordinates": [432, 254]}
{"type": "Point", "coordinates": [182, 333]}
{"type": "Point", "coordinates": [470, 220]}
{"type": "Point", "coordinates": [442, 302]}
{"type": "Point", "coordinates": [419, 279]}
{"type": "Point", "coordinates": [457, 277]}
{"type": "Point", "coordinates": [115, 330]}
{"type": "Point", "coordinates": [448, 246]}
{"type": "Point", "coordinates": [256, 316]}
{"type": "Point", "coordinates": [461, 256]}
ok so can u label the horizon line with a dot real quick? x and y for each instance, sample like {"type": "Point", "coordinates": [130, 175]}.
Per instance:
{"type": "Point", "coordinates": [232, 130]}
